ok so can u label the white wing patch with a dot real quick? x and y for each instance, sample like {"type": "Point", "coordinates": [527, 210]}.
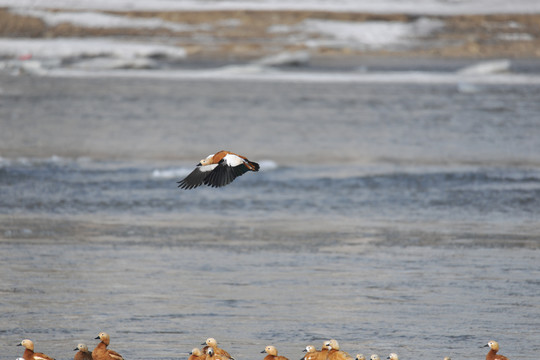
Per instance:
{"type": "Point", "coordinates": [233, 160]}
{"type": "Point", "coordinates": [206, 168]}
{"type": "Point", "coordinates": [37, 357]}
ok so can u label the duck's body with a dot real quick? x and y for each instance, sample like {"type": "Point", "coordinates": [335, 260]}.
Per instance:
{"type": "Point", "coordinates": [312, 353]}
{"type": "Point", "coordinates": [374, 357]}
{"type": "Point", "coordinates": [272, 353]}
{"type": "Point", "coordinates": [83, 353]}
{"type": "Point", "coordinates": [492, 353]}
{"type": "Point", "coordinates": [360, 357]}
{"type": "Point", "coordinates": [211, 343]}
{"type": "Point", "coordinates": [196, 354]}
{"type": "Point", "coordinates": [218, 170]}
{"type": "Point", "coordinates": [323, 355]}
{"type": "Point", "coordinates": [210, 354]}
{"type": "Point", "coordinates": [392, 356]}
{"type": "Point", "coordinates": [334, 352]}
{"type": "Point", "coordinates": [29, 353]}
{"type": "Point", "coordinates": [101, 352]}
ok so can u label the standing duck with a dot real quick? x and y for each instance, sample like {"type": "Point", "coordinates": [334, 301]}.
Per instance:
{"type": "Point", "coordinates": [312, 353]}
{"type": "Point", "coordinates": [492, 354]}
{"type": "Point", "coordinates": [29, 353]}
{"type": "Point", "coordinates": [196, 354]}
{"type": "Point", "coordinates": [211, 343]}
{"type": "Point", "coordinates": [101, 352]}
{"type": "Point", "coordinates": [272, 353]}
{"type": "Point", "coordinates": [83, 353]}
{"type": "Point", "coordinates": [334, 353]}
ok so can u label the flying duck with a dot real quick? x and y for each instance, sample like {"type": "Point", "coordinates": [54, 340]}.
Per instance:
{"type": "Point", "coordinates": [218, 170]}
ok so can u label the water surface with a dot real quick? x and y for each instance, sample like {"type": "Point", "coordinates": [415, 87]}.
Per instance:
{"type": "Point", "coordinates": [392, 217]}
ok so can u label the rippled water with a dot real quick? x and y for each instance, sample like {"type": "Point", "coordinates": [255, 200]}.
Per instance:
{"type": "Point", "coordinates": [392, 217]}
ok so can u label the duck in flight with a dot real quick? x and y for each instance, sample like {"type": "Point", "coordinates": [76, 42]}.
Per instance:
{"type": "Point", "coordinates": [218, 170]}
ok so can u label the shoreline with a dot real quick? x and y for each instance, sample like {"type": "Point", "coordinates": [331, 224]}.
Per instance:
{"type": "Point", "coordinates": [246, 35]}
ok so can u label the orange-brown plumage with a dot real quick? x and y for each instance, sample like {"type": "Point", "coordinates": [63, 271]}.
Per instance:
{"type": "Point", "coordinates": [211, 343]}
{"type": "Point", "coordinates": [196, 354]}
{"type": "Point", "coordinates": [492, 353]}
{"type": "Point", "coordinates": [101, 352]}
{"type": "Point", "coordinates": [323, 355]}
{"type": "Point", "coordinates": [83, 353]}
{"type": "Point", "coordinates": [218, 170]}
{"type": "Point", "coordinates": [312, 353]}
{"type": "Point", "coordinates": [210, 354]}
{"type": "Point", "coordinates": [272, 353]}
{"type": "Point", "coordinates": [334, 352]}
{"type": "Point", "coordinates": [29, 353]}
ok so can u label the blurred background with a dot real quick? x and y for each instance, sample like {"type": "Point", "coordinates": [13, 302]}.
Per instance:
{"type": "Point", "coordinates": [85, 35]}
{"type": "Point", "coordinates": [397, 206]}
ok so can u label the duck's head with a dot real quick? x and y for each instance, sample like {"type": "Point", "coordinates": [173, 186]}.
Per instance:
{"type": "Point", "coordinates": [270, 350]}
{"type": "Point", "coordinates": [104, 337]}
{"type": "Point", "coordinates": [493, 345]}
{"type": "Point", "coordinates": [28, 344]}
{"type": "Point", "coordinates": [81, 347]}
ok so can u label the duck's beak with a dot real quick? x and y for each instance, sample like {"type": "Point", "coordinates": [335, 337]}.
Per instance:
{"type": "Point", "coordinates": [75, 349]}
{"type": "Point", "coordinates": [487, 345]}
{"type": "Point", "coordinates": [199, 164]}
{"type": "Point", "coordinates": [262, 352]}
{"type": "Point", "coordinates": [97, 337]}
{"type": "Point", "coordinates": [19, 344]}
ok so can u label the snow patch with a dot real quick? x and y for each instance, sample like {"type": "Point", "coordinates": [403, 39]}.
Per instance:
{"type": "Point", "coordinates": [288, 58]}
{"type": "Point", "coordinates": [66, 48]}
{"type": "Point", "coordinates": [369, 34]}
{"type": "Point", "coordinates": [98, 20]}
{"type": "Point", "coordinates": [437, 7]}
{"type": "Point", "coordinates": [487, 67]}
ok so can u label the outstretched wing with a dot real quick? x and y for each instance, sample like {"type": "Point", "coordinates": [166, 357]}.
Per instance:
{"type": "Point", "coordinates": [228, 169]}
{"type": "Point", "coordinates": [196, 177]}
{"type": "Point", "coordinates": [224, 174]}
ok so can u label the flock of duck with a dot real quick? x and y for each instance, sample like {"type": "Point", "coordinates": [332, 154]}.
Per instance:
{"type": "Point", "coordinates": [329, 351]}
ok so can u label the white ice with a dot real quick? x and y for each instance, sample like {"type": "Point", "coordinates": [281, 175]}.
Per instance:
{"type": "Point", "coordinates": [442, 7]}
{"type": "Point", "coordinates": [65, 48]}
{"type": "Point", "coordinates": [369, 34]}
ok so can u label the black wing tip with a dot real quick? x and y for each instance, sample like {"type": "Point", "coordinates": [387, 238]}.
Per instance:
{"type": "Point", "coordinates": [186, 186]}
{"type": "Point", "coordinates": [255, 165]}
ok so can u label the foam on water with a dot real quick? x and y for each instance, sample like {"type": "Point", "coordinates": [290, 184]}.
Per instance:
{"type": "Point", "coordinates": [73, 48]}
